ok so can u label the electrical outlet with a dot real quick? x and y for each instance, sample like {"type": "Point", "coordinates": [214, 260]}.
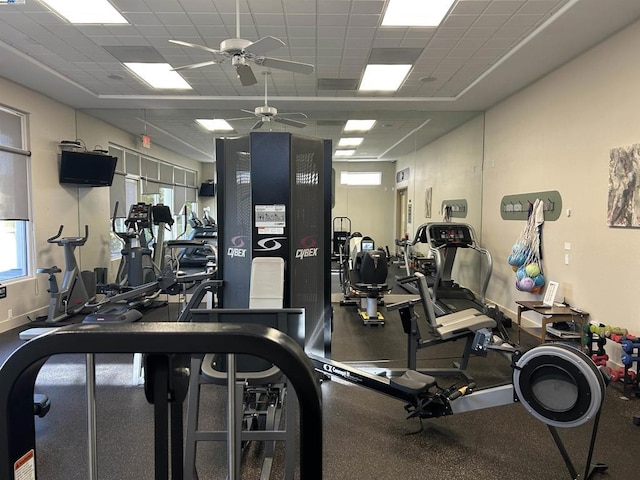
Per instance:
{"type": "Point", "coordinates": [10, 314]}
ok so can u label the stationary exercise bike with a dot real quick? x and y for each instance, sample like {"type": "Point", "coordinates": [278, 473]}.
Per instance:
{"type": "Point", "coordinates": [77, 287]}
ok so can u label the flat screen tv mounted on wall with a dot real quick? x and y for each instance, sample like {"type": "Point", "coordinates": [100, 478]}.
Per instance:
{"type": "Point", "coordinates": [207, 189]}
{"type": "Point", "coordinates": [87, 169]}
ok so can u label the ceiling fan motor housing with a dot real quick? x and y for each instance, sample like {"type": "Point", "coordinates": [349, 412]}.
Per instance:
{"type": "Point", "coordinates": [266, 111]}
{"type": "Point", "coordinates": [234, 46]}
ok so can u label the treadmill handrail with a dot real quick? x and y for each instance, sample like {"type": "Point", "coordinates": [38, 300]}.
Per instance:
{"type": "Point", "coordinates": [19, 371]}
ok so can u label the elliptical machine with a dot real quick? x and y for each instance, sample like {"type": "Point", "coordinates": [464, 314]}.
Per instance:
{"type": "Point", "coordinates": [77, 287]}
{"type": "Point", "coordinates": [136, 266]}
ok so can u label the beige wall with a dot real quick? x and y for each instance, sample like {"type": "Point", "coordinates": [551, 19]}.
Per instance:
{"type": "Point", "coordinates": [556, 135]}
{"type": "Point", "coordinates": [53, 205]}
{"type": "Point", "coordinates": [371, 209]}
{"type": "Point", "coordinates": [452, 167]}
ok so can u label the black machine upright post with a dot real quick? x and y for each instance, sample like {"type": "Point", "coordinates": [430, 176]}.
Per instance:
{"type": "Point", "coordinates": [274, 200]}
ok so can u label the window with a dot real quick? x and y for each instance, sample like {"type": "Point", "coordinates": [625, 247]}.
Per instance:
{"type": "Point", "coordinates": [14, 183]}
{"type": "Point", "coordinates": [360, 178]}
{"type": "Point", "coordinates": [140, 178]}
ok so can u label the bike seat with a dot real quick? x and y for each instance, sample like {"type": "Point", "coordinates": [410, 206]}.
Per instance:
{"type": "Point", "coordinates": [49, 270]}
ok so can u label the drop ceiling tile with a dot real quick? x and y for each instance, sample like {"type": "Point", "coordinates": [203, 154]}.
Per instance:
{"type": "Point", "coordinates": [450, 32]}
{"type": "Point", "coordinates": [181, 31]}
{"type": "Point", "coordinates": [211, 18]}
{"type": "Point", "coordinates": [302, 32]}
{"type": "Point", "coordinates": [540, 7]}
{"type": "Point", "coordinates": [165, 5]}
{"type": "Point", "coordinates": [106, 40]}
{"type": "Point", "coordinates": [387, 43]}
{"type": "Point", "coordinates": [331, 32]}
{"type": "Point", "coordinates": [358, 43]}
{"type": "Point", "coordinates": [269, 20]}
{"type": "Point", "coordinates": [413, 43]}
{"type": "Point", "coordinates": [331, 42]}
{"type": "Point", "coordinates": [334, 6]}
{"type": "Point", "coordinates": [498, 43]}
{"type": "Point", "coordinates": [360, 32]}
{"type": "Point", "coordinates": [459, 20]}
{"type": "Point", "coordinates": [278, 32]}
{"type": "Point", "coordinates": [196, 5]}
{"type": "Point", "coordinates": [131, 5]}
{"type": "Point", "coordinates": [391, 33]}
{"type": "Point", "coordinates": [489, 20]}
{"type": "Point", "coordinates": [445, 43]}
{"type": "Point", "coordinates": [364, 20]}
{"type": "Point", "coordinates": [513, 33]}
{"type": "Point", "coordinates": [504, 6]}
{"type": "Point", "coordinates": [470, 6]}
{"type": "Point", "coordinates": [121, 30]}
{"type": "Point", "coordinates": [332, 20]}
{"type": "Point", "coordinates": [153, 31]}
{"type": "Point", "coordinates": [481, 32]}
{"type": "Point", "coordinates": [298, 20]}
{"type": "Point", "coordinates": [523, 21]}
{"type": "Point", "coordinates": [174, 18]}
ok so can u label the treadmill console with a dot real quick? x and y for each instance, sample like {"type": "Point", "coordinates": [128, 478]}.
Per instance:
{"type": "Point", "coordinates": [455, 235]}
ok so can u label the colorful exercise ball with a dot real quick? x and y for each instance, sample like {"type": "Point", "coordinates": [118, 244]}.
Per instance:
{"type": "Point", "coordinates": [532, 270]}
{"type": "Point", "coordinates": [520, 259]}
{"type": "Point", "coordinates": [511, 260]}
{"type": "Point", "coordinates": [526, 284]}
{"type": "Point", "coordinates": [536, 289]}
{"type": "Point", "coordinates": [538, 280]}
{"type": "Point", "coordinates": [521, 273]}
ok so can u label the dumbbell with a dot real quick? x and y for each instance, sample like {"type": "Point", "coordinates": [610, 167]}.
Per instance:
{"type": "Point", "coordinates": [628, 345]}
{"type": "Point", "coordinates": [618, 374]}
{"type": "Point", "coordinates": [628, 359]}
{"type": "Point", "coordinates": [600, 359]}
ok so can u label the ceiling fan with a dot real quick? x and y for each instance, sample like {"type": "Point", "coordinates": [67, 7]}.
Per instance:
{"type": "Point", "coordinates": [265, 113]}
{"type": "Point", "coordinates": [242, 51]}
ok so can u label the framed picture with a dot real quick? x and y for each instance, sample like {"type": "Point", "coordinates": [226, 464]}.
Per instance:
{"type": "Point", "coordinates": [550, 293]}
{"type": "Point", "coordinates": [427, 202]}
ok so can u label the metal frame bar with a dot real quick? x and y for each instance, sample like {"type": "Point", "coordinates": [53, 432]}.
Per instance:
{"type": "Point", "coordinates": [18, 374]}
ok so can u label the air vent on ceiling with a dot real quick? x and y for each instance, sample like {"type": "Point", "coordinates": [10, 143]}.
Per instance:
{"type": "Point", "coordinates": [394, 56]}
{"type": "Point", "coordinates": [338, 83]}
{"type": "Point", "coordinates": [330, 123]}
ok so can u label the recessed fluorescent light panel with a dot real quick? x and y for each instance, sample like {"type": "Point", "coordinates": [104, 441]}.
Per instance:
{"type": "Point", "coordinates": [350, 142]}
{"type": "Point", "coordinates": [215, 125]}
{"type": "Point", "coordinates": [383, 78]}
{"type": "Point", "coordinates": [359, 125]}
{"type": "Point", "coordinates": [86, 11]}
{"type": "Point", "coordinates": [159, 75]}
{"type": "Point", "coordinates": [416, 13]}
{"type": "Point", "coordinates": [344, 153]}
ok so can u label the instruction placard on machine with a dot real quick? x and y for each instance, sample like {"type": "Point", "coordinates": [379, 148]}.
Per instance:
{"type": "Point", "coordinates": [270, 219]}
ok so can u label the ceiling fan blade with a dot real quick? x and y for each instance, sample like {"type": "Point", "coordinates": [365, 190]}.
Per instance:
{"type": "Point", "coordinates": [239, 119]}
{"type": "Point", "coordinates": [288, 114]}
{"type": "Point", "coordinates": [248, 111]}
{"type": "Point", "coordinates": [288, 121]}
{"type": "Point", "coordinates": [257, 125]}
{"type": "Point", "coordinates": [288, 65]}
{"type": "Point", "coordinates": [194, 65]}
{"type": "Point", "coordinates": [264, 45]}
{"type": "Point", "coordinates": [195, 45]}
{"type": "Point", "coordinates": [246, 76]}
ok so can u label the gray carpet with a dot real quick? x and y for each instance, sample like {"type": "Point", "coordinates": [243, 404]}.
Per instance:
{"type": "Point", "coordinates": [366, 435]}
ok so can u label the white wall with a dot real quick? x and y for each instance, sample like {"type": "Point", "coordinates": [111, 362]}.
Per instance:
{"type": "Point", "coordinates": [53, 205]}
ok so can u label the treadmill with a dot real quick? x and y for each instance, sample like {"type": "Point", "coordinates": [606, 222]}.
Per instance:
{"type": "Point", "coordinates": [444, 240]}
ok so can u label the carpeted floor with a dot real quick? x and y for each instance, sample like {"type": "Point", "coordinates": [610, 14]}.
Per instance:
{"type": "Point", "coordinates": [366, 435]}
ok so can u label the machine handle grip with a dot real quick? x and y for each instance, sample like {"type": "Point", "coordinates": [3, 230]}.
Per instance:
{"type": "Point", "coordinates": [462, 391]}
{"type": "Point", "coordinates": [409, 279]}
{"type": "Point", "coordinates": [56, 236]}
